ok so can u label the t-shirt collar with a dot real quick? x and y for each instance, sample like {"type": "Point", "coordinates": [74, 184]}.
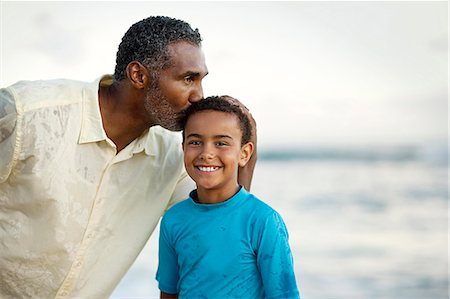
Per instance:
{"type": "Point", "coordinates": [229, 202]}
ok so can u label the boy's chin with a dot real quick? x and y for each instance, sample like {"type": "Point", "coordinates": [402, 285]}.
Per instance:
{"type": "Point", "coordinates": [206, 187]}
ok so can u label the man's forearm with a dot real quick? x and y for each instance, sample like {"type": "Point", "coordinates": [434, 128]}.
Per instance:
{"type": "Point", "coordinates": [245, 174]}
{"type": "Point", "coordinates": [168, 296]}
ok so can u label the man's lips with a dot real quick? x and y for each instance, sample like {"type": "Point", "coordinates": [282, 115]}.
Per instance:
{"type": "Point", "coordinates": [207, 168]}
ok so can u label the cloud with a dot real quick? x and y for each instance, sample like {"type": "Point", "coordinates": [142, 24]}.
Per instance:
{"type": "Point", "coordinates": [55, 40]}
{"type": "Point", "coordinates": [310, 72]}
{"type": "Point", "coordinates": [439, 44]}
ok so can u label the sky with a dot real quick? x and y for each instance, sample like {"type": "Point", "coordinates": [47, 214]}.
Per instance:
{"type": "Point", "coordinates": [329, 74]}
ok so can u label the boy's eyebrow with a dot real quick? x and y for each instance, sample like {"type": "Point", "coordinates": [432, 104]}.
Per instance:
{"type": "Point", "coordinates": [195, 135]}
{"type": "Point", "coordinates": [223, 136]}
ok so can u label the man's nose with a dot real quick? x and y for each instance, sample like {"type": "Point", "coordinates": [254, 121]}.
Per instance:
{"type": "Point", "coordinates": [197, 94]}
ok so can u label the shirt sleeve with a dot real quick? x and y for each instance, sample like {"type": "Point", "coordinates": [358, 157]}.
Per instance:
{"type": "Point", "coordinates": [184, 186]}
{"type": "Point", "coordinates": [167, 274]}
{"type": "Point", "coordinates": [274, 260]}
{"type": "Point", "coordinates": [9, 134]}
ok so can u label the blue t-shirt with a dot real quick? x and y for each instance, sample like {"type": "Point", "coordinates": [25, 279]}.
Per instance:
{"type": "Point", "coordinates": [234, 249]}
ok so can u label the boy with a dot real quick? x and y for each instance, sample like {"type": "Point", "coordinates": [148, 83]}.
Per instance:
{"type": "Point", "coordinates": [222, 242]}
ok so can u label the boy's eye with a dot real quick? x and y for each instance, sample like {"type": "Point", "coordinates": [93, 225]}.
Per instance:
{"type": "Point", "coordinates": [221, 143]}
{"type": "Point", "coordinates": [194, 142]}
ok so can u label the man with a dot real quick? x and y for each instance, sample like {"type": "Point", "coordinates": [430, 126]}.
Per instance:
{"type": "Point", "coordinates": [87, 169]}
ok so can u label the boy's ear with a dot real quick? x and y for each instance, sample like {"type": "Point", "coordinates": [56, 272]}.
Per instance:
{"type": "Point", "coordinates": [246, 153]}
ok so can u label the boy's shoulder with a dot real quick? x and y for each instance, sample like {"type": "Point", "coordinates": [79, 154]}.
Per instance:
{"type": "Point", "coordinates": [257, 202]}
{"type": "Point", "coordinates": [179, 207]}
{"type": "Point", "coordinates": [249, 206]}
{"type": "Point", "coordinates": [257, 209]}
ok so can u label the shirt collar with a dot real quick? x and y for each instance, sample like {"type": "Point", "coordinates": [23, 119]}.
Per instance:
{"type": "Point", "coordinates": [146, 143]}
{"type": "Point", "coordinates": [150, 141]}
{"type": "Point", "coordinates": [91, 124]}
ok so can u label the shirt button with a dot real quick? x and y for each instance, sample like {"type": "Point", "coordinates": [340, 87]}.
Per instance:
{"type": "Point", "coordinates": [64, 293]}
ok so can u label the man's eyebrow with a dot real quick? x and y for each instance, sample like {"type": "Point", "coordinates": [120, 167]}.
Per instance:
{"type": "Point", "coordinates": [193, 74]}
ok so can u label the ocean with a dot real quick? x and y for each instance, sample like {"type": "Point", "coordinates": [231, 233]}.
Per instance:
{"type": "Point", "coordinates": [363, 224]}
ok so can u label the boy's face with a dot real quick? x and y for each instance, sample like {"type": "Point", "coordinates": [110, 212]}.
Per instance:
{"type": "Point", "coordinates": [213, 152]}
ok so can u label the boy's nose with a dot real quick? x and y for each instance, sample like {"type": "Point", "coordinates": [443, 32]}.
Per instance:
{"type": "Point", "coordinates": [207, 153]}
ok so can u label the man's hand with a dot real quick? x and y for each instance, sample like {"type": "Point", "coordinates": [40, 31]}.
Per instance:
{"type": "Point", "coordinates": [245, 173]}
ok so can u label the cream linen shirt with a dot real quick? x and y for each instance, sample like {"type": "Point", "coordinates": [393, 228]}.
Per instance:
{"type": "Point", "coordinates": [74, 214]}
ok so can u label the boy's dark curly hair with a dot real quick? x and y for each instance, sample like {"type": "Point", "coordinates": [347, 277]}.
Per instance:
{"type": "Point", "coordinates": [220, 103]}
{"type": "Point", "coordinates": [146, 41]}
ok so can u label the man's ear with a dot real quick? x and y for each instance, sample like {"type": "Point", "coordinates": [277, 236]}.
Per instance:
{"type": "Point", "coordinates": [138, 75]}
{"type": "Point", "coordinates": [246, 153]}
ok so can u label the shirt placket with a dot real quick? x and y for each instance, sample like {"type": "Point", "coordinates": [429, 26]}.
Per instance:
{"type": "Point", "coordinates": [71, 279]}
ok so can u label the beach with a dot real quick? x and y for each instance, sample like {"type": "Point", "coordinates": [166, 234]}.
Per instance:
{"type": "Point", "coordinates": [360, 225]}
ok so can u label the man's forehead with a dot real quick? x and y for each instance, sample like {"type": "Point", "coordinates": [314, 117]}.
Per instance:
{"type": "Point", "coordinates": [182, 46]}
{"type": "Point", "coordinates": [187, 57]}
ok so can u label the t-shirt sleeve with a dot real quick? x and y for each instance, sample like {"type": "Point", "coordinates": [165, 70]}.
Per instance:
{"type": "Point", "coordinates": [167, 274]}
{"type": "Point", "coordinates": [274, 259]}
{"type": "Point", "coordinates": [9, 134]}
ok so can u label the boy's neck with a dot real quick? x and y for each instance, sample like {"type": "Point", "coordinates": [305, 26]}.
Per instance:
{"type": "Point", "coordinates": [213, 196]}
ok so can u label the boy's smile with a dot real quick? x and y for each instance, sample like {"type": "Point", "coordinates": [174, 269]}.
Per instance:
{"type": "Point", "coordinates": [213, 153]}
{"type": "Point", "coordinates": [207, 168]}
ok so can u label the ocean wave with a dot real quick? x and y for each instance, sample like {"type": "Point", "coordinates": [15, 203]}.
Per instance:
{"type": "Point", "coordinates": [401, 154]}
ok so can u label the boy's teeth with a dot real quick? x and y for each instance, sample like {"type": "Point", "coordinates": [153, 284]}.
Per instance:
{"type": "Point", "coordinates": [208, 169]}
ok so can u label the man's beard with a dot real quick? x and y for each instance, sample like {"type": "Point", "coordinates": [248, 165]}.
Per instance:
{"type": "Point", "coordinates": [161, 112]}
